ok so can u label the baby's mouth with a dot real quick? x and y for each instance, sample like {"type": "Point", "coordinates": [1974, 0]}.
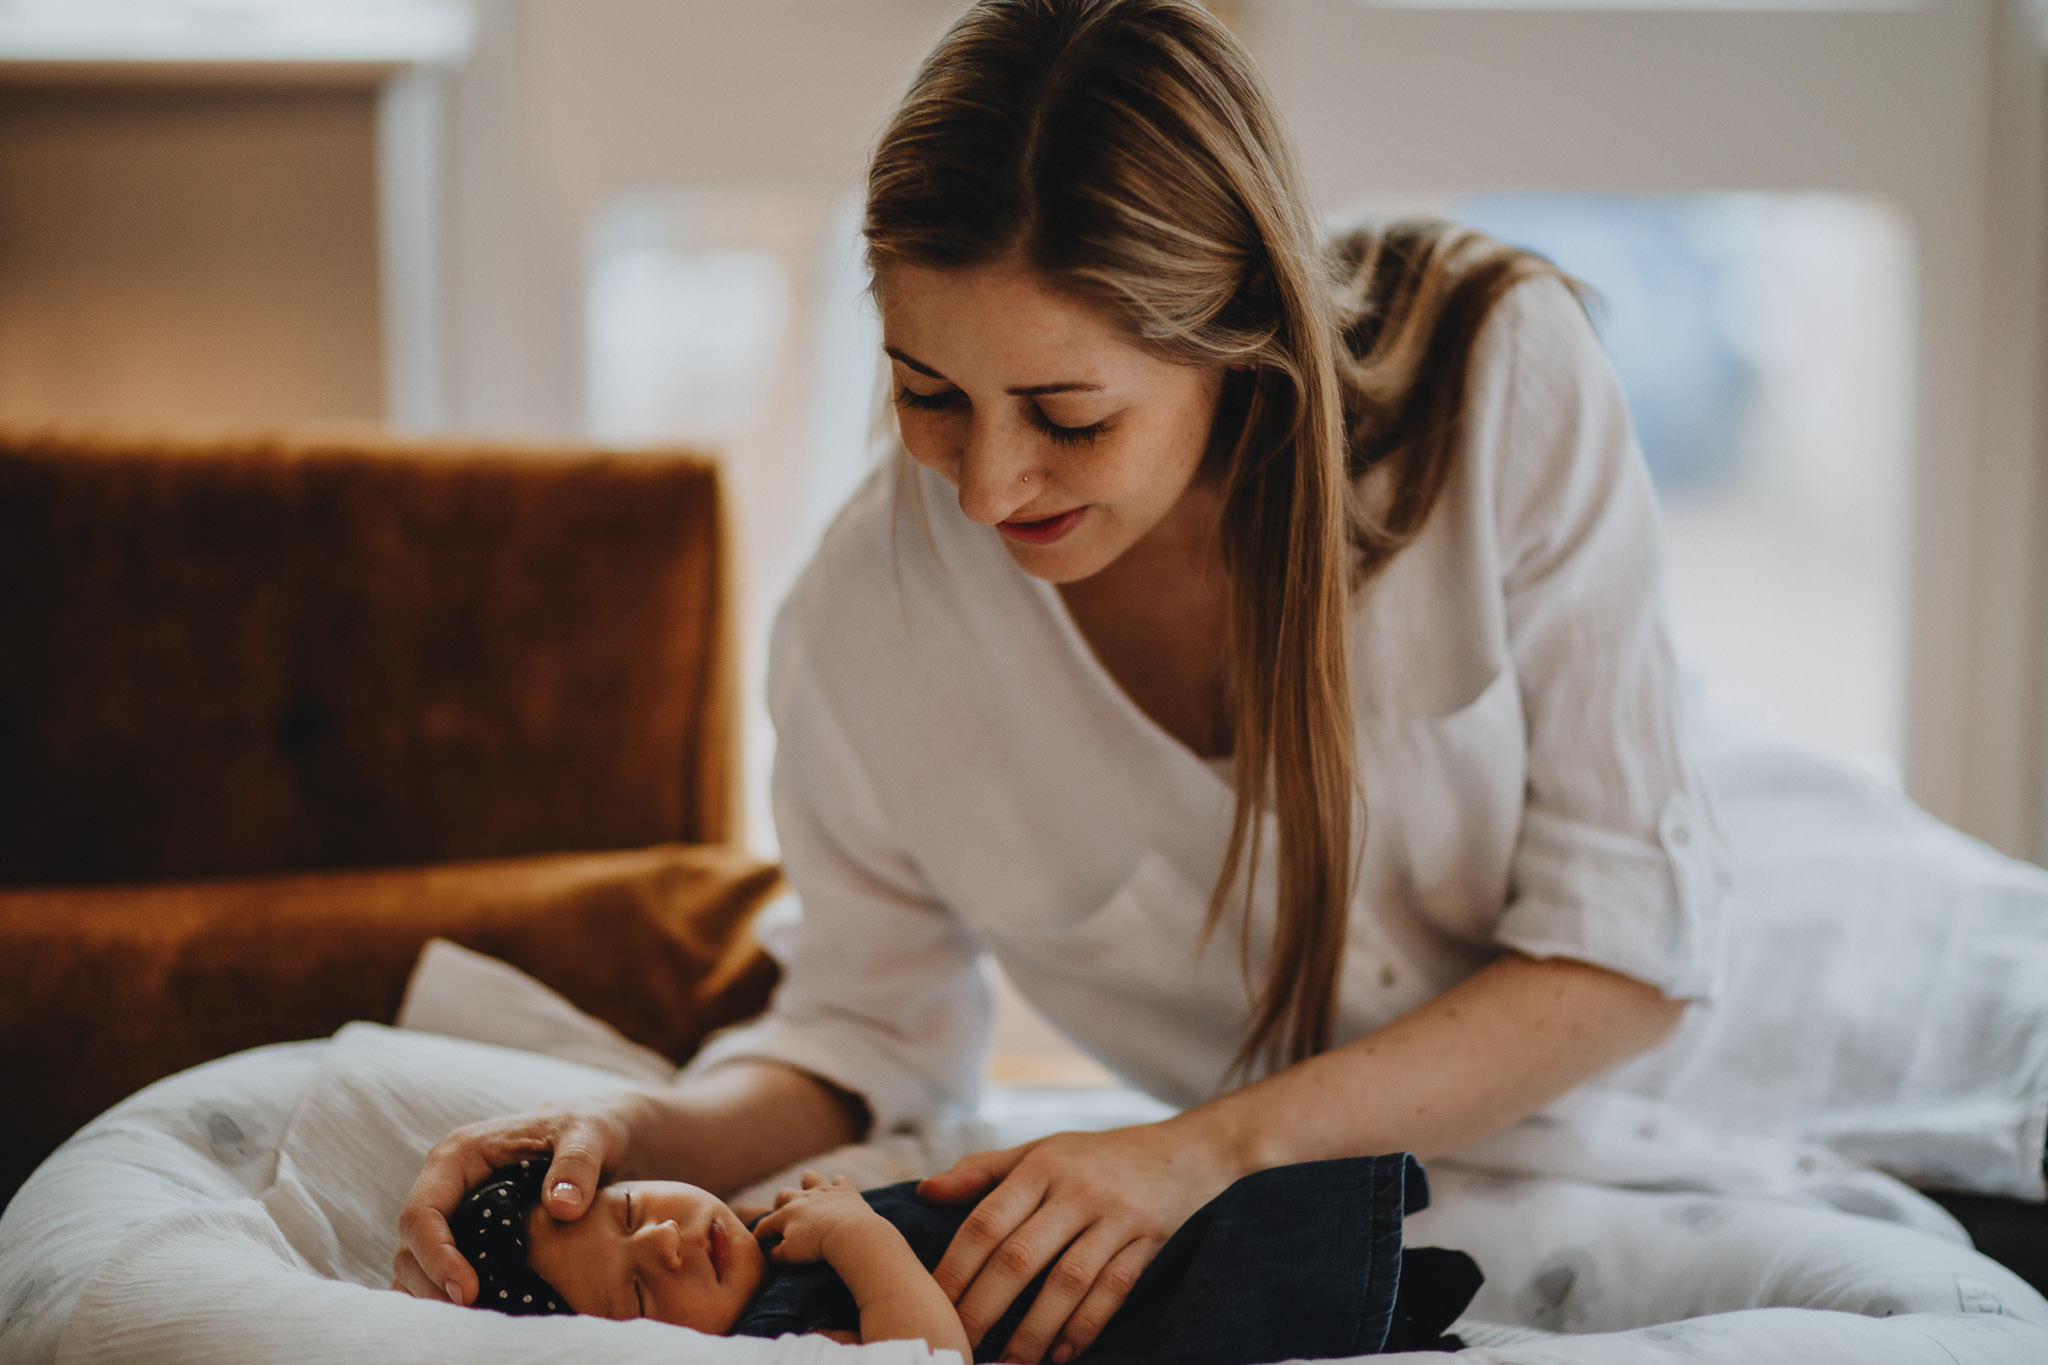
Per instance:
{"type": "Point", "coordinates": [717, 1250]}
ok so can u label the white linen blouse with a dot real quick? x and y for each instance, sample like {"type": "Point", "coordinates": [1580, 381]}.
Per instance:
{"type": "Point", "coordinates": [956, 772]}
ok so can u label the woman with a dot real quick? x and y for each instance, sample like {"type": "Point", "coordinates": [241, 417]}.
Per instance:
{"type": "Point", "coordinates": [1263, 657]}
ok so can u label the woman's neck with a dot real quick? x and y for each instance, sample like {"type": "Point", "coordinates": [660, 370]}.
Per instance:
{"type": "Point", "coordinates": [1158, 621]}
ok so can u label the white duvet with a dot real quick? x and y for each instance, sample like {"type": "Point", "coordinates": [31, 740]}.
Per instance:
{"type": "Point", "coordinates": [244, 1211]}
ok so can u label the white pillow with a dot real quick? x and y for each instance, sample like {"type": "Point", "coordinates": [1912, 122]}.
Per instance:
{"type": "Point", "coordinates": [462, 993]}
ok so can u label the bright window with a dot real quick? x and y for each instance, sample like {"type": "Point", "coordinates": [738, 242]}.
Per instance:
{"type": "Point", "coordinates": [1766, 345]}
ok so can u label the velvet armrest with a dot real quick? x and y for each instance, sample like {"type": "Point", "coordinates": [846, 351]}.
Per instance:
{"type": "Point", "coordinates": [112, 987]}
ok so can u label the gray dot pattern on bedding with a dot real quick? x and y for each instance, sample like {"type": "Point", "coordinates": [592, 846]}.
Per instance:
{"type": "Point", "coordinates": [1561, 1291]}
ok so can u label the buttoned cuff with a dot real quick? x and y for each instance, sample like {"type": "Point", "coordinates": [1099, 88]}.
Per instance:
{"type": "Point", "coordinates": [1647, 910]}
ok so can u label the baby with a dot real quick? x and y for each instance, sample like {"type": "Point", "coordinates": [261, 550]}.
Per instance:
{"type": "Point", "coordinates": [1297, 1262]}
{"type": "Point", "coordinates": [665, 1250]}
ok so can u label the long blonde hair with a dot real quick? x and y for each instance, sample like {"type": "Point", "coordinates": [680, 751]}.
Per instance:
{"type": "Point", "coordinates": [1130, 152]}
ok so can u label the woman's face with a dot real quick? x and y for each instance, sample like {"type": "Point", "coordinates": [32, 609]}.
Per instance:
{"type": "Point", "coordinates": [1072, 443]}
{"type": "Point", "coordinates": [654, 1249]}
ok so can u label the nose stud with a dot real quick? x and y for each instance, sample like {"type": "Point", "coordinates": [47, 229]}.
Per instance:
{"type": "Point", "coordinates": [1025, 477]}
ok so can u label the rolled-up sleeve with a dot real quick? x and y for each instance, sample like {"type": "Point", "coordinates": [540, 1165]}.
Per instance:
{"type": "Point", "coordinates": [881, 992]}
{"type": "Point", "coordinates": [1620, 861]}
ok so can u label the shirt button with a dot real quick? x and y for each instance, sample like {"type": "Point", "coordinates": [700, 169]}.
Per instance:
{"type": "Point", "coordinates": [1681, 834]}
{"type": "Point", "coordinates": [1388, 976]}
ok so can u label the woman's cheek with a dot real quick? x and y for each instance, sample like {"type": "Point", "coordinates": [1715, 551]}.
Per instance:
{"type": "Point", "coordinates": [925, 444]}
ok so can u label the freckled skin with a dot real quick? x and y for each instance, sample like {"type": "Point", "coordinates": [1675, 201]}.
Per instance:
{"type": "Point", "coordinates": [598, 1262]}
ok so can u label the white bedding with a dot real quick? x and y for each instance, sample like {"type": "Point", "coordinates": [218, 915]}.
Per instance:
{"type": "Point", "coordinates": [1888, 981]}
{"type": "Point", "coordinates": [243, 1211]}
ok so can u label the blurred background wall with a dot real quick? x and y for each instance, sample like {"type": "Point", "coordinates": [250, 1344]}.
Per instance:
{"type": "Point", "coordinates": [148, 234]}
{"type": "Point", "coordinates": [1816, 227]}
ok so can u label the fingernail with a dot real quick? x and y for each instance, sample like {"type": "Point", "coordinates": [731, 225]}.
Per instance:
{"type": "Point", "coordinates": [564, 1190]}
{"type": "Point", "coordinates": [454, 1296]}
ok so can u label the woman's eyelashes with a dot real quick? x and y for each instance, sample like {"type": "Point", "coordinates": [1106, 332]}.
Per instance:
{"type": "Point", "coordinates": [1066, 436]}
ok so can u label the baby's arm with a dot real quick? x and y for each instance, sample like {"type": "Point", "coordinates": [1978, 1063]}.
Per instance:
{"type": "Point", "coordinates": [898, 1299]}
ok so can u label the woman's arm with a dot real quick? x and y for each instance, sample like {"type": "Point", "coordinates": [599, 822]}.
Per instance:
{"type": "Point", "coordinates": [740, 1121]}
{"type": "Point", "coordinates": [723, 1130]}
{"type": "Point", "coordinates": [1488, 1052]}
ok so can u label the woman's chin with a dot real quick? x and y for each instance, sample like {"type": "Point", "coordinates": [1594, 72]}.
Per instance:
{"type": "Point", "coordinates": [1060, 563]}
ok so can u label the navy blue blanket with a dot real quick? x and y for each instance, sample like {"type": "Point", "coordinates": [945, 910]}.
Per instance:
{"type": "Point", "coordinates": [1298, 1262]}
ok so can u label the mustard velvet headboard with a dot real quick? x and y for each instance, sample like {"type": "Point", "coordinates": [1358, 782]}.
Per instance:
{"type": "Point", "coordinates": [275, 711]}
{"type": "Point", "coordinates": [266, 655]}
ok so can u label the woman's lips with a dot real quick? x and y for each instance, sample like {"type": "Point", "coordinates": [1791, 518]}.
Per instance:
{"type": "Point", "coordinates": [1043, 531]}
{"type": "Point", "coordinates": [716, 1250]}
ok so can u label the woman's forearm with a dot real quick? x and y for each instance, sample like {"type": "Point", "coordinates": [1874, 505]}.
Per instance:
{"type": "Point", "coordinates": [738, 1122]}
{"type": "Point", "coordinates": [1486, 1053]}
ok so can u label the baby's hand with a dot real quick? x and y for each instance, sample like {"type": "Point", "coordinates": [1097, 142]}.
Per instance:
{"type": "Point", "coordinates": [807, 1220]}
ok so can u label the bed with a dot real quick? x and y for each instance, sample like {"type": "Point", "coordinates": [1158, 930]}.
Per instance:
{"type": "Point", "coordinates": [1719, 1200]}
{"type": "Point", "coordinates": [244, 1210]}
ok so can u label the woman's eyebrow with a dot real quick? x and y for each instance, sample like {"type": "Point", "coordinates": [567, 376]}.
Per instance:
{"type": "Point", "coordinates": [1025, 391]}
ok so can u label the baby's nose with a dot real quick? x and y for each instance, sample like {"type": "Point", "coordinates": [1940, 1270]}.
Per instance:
{"type": "Point", "coordinates": [663, 1243]}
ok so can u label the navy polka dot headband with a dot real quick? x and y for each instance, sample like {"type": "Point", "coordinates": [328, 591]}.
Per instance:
{"type": "Point", "coordinates": [490, 1232]}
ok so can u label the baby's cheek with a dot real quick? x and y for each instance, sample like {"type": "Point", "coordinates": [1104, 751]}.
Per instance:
{"type": "Point", "coordinates": [551, 1265]}
{"type": "Point", "coordinates": [712, 1314]}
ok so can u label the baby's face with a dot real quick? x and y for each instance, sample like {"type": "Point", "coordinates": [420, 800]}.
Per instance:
{"type": "Point", "coordinates": [654, 1249]}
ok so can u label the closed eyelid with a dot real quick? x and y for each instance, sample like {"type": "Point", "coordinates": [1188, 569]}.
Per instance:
{"type": "Point", "coordinates": [945, 401]}
{"type": "Point", "coordinates": [626, 1218]}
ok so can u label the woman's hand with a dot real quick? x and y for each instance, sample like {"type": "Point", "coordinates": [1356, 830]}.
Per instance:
{"type": "Point", "coordinates": [808, 1219]}
{"type": "Point", "coordinates": [587, 1136]}
{"type": "Point", "coordinates": [1100, 1204]}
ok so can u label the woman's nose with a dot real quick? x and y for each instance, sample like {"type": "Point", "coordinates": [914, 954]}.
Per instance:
{"type": "Point", "coordinates": [991, 474]}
